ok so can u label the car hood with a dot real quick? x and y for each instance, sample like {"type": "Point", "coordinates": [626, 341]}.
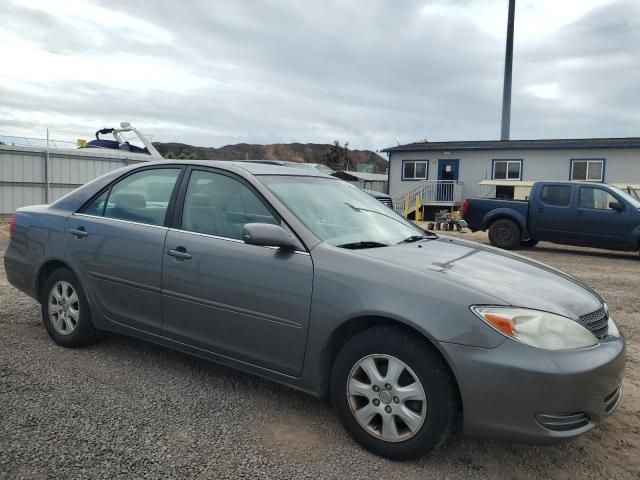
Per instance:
{"type": "Point", "coordinates": [510, 278]}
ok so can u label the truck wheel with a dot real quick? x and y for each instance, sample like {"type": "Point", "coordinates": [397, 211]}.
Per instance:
{"type": "Point", "coordinates": [529, 243]}
{"type": "Point", "coordinates": [393, 393]}
{"type": "Point", "coordinates": [504, 233]}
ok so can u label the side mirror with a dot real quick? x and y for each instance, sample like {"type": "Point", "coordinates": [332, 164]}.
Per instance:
{"type": "Point", "coordinates": [268, 235]}
{"type": "Point", "coordinates": [617, 206]}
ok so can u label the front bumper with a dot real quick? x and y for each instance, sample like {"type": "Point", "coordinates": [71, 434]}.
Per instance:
{"type": "Point", "coordinates": [530, 395]}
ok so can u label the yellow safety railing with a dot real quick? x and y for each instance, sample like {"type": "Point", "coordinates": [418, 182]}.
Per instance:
{"type": "Point", "coordinates": [418, 210]}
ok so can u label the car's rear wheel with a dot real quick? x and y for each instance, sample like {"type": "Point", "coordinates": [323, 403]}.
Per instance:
{"type": "Point", "coordinates": [504, 233]}
{"type": "Point", "coordinates": [65, 311]}
{"type": "Point", "coordinates": [393, 393]}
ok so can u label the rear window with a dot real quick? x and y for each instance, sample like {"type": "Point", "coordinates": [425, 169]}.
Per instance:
{"type": "Point", "coordinates": [141, 197]}
{"type": "Point", "coordinates": [556, 195]}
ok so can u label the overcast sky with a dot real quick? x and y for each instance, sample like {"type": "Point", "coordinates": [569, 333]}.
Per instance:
{"type": "Point", "coordinates": [212, 73]}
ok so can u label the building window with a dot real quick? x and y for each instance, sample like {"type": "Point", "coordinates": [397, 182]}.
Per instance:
{"type": "Point", "coordinates": [415, 169]}
{"type": "Point", "coordinates": [587, 170]}
{"type": "Point", "coordinates": [506, 192]}
{"type": "Point", "coordinates": [507, 170]}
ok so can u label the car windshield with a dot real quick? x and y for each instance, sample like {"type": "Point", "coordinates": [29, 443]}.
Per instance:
{"type": "Point", "coordinates": [340, 213]}
{"type": "Point", "coordinates": [633, 201]}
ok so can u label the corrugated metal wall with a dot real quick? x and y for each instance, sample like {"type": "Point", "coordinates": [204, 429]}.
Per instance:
{"type": "Point", "coordinates": [23, 172]}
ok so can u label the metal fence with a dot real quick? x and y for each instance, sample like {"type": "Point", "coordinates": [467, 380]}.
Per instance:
{"type": "Point", "coordinates": [31, 175]}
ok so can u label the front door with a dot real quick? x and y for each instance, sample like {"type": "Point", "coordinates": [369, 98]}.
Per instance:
{"type": "Point", "coordinates": [598, 225]}
{"type": "Point", "coordinates": [242, 301]}
{"type": "Point", "coordinates": [117, 243]}
{"type": "Point", "coordinates": [448, 175]}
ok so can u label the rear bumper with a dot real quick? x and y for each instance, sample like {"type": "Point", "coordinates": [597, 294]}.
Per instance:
{"type": "Point", "coordinates": [530, 395]}
{"type": "Point", "coordinates": [19, 272]}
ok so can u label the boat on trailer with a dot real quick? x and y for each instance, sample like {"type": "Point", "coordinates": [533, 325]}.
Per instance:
{"type": "Point", "coordinates": [119, 142]}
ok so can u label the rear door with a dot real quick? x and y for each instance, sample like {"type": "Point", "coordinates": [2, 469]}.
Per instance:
{"type": "Point", "coordinates": [595, 223]}
{"type": "Point", "coordinates": [551, 215]}
{"type": "Point", "coordinates": [247, 302]}
{"type": "Point", "coordinates": [117, 244]}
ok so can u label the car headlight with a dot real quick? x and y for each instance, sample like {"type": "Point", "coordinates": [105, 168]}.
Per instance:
{"type": "Point", "coordinates": [536, 328]}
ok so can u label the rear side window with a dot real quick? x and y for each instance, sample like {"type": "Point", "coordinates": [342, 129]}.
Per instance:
{"type": "Point", "coordinates": [556, 195]}
{"type": "Point", "coordinates": [141, 197]}
{"type": "Point", "coordinates": [219, 205]}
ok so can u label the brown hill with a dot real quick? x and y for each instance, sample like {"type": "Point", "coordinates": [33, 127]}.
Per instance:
{"type": "Point", "coordinates": [293, 152]}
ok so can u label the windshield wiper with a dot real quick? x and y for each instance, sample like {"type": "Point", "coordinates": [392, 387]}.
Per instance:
{"type": "Point", "coordinates": [413, 238]}
{"type": "Point", "coordinates": [416, 238]}
{"type": "Point", "coordinates": [365, 244]}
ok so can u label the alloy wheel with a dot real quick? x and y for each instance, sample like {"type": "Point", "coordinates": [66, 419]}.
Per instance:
{"type": "Point", "coordinates": [386, 398]}
{"type": "Point", "coordinates": [64, 308]}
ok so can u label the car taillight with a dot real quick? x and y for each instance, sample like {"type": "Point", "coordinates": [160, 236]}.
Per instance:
{"type": "Point", "coordinates": [465, 207]}
{"type": "Point", "coordinates": [12, 224]}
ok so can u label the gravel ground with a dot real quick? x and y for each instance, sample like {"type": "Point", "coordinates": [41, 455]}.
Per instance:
{"type": "Point", "coordinates": [128, 409]}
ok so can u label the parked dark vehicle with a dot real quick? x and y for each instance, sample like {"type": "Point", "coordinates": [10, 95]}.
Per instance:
{"type": "Point", "coordinates": [381, 197]}
{"type": "Point", "coordinates": [308, 281]}
{"type": "Point", "coordinates": [570, 213]}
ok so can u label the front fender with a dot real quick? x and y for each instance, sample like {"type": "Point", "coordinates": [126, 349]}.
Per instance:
{"type": "Point", "coordinates": [634, 240]}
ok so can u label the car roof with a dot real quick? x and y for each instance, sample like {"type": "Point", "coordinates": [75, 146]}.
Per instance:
{"type": "Point", "coordinates": [255, 167]}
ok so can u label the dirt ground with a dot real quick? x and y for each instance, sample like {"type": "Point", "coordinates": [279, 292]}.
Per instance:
{"type": "Point", "coordinates": [137, 410]}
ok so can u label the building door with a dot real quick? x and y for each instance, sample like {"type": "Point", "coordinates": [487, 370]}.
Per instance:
{"type": "Point", "coordinates": [447, 172]}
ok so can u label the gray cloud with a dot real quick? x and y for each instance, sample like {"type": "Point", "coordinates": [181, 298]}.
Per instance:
{"type": "Point", "coordinates": [363, 72]}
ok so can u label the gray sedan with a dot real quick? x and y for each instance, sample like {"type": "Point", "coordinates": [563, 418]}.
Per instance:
{"type": "Point", "coordinates": [308, 281]}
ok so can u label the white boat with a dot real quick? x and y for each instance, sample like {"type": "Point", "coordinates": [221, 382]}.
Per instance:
{"type": "Point", "coordinates": [120, 143]}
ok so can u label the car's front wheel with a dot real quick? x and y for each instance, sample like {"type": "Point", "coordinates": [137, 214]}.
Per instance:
{"type": "Point", "coordinates": [393, 393]}
{"type": "Point", "coordinates": [65, 311]}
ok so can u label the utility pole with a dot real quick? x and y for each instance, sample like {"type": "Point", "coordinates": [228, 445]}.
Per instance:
{"type": "Point", "coordinates": [508, 71]}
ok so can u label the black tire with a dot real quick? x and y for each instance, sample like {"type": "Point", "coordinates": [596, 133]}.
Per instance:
{"type": "Point", "coordinates": [429, 368]}
{"type": "Point", "coordinates": [83, 332]}
{"type": "Point", "coordinates": [504, 233]}
{"type": "Point", "coordinates": [529, 243]}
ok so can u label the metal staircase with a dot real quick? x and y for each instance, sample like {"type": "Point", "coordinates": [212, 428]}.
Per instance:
{"type": "Point", "coordinates": [444, 193]}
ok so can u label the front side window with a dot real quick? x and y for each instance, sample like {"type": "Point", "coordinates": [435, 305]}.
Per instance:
{"type": "Point", "coordinates": [414, 170]}
{"type": "Point", "coordinates": [507, 170]}
{"type": "Point", "coordinates": [141, 197]}
{"type": "Point", "coordinates": [556, 195]}
{"type": "Point", "coordinates": [587, 170]}
{"type": "Point", "coordinates": [219, 205]}
{"type": "Point", "coordinates": [96, 207]}
{"type": "Point", "coordinates": [340, 213]}
{"type": "Point", "coordinates": [595, 198]}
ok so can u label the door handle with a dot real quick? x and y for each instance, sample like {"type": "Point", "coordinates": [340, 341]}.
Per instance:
{"type": "Point", "coordinates": [179, 253]}
{"type": "Point", "coordinates": [579, 212]}
{"type": "Point", "coordinates": [79, 232]}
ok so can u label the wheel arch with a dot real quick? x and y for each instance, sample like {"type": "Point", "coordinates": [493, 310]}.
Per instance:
{"type": "Point", "coordinates": [356, 325]}
{"type": "Point", "coordinates": [506, 214]}
{"type": "Point", "coordinates": [45, 271]}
